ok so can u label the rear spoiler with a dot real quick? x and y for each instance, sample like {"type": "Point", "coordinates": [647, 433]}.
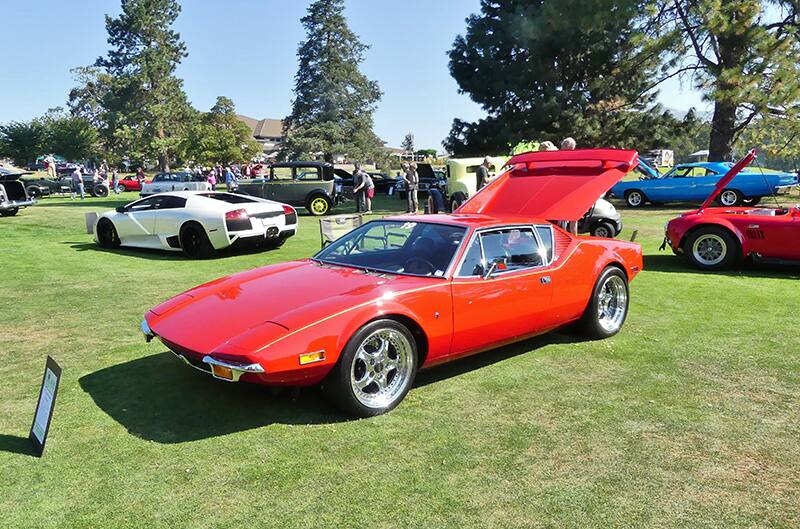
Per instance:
{"type": "Point", "coordinates": [725, 180]}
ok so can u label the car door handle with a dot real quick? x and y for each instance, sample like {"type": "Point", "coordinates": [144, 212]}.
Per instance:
{"type": "Point", "coordinates": [545, 280]}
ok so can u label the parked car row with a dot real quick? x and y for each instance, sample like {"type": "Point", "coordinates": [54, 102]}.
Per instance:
{"type": "Point", "coordinates": [63, 184]}
{"type": "Point", "coordinates": [694, 181]}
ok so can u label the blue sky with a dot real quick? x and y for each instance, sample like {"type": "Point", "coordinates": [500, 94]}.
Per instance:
{"type": "Point", "coordinates": [246, 50]}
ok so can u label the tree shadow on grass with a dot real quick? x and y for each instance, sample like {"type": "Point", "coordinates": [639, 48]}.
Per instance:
{"type": "Point", "coordinates": [16, 445]}
{"type": "Point", "coordinates": [674, 263]}
{"type": "Point", "coordinates": [161, 399]}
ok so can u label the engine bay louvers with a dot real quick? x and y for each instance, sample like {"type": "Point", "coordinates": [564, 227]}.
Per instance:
{"type": "Point", "coordinates": [754, 233]}
{"type": "Point", "coordinates": [561, 243]}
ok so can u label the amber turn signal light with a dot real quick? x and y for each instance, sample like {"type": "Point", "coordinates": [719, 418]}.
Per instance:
{"type": "Point", "coordinates": [310, 358]}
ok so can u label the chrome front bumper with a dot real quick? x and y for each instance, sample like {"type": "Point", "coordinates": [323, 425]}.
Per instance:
{"type": "Point", "coordinates": [237, 370]}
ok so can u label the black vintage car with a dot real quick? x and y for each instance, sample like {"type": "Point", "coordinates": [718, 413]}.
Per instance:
{"type": "Point", "coordinates": [38, 187]}
{"type": "Point", "coordinates": [429, 178]}
{"type": "Point", "coordinates": [12, 194]}
{"type": "Point", "coordinates": [312, 185]}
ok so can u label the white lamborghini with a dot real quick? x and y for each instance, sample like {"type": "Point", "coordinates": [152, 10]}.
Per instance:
{"type": "Point", "coordinates": [196, 222]}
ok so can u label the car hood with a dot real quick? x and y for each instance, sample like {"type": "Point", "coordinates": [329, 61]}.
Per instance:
{"type": "Point", "coordinates": [557, 185]}
{"type": "Point", "coordinates": [737, 168]}
{"type": "Point", "coordinates": [7, 176]}
{"type": "Point", "coordinates": [281, 298]}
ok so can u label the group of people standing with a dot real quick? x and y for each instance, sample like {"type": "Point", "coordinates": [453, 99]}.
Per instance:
{"type": "Point", "coordinates": [102, 174]}
{"type": "Point", "coordinates": [229, 174]}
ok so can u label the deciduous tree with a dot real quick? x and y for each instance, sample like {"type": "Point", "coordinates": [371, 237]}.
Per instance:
{"type": "Point", "coordinates": [545, 70]}
{"type": "Point", "coordinates": [742, 54]}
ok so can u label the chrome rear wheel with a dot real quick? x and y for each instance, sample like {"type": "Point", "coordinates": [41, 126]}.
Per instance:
{"type": "Point", "coordinates": [613, 304]}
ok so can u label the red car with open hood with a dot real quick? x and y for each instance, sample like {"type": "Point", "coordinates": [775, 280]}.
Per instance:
{"type": "Point", "coordinates": [719, 237]}
{"type": "Point", "coordinates": [408, 292]}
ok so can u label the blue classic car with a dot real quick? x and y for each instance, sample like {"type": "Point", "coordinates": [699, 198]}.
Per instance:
{"type": "Point", "coordinates": [690, 182]}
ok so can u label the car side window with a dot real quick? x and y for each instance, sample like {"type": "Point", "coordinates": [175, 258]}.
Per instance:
{"type": "Point", "coordinates": [281, 173]}
{"type": "Point", "coordinates": [472, 265]}
{"type": "Point", "coordinates": [513, 248]}
{"type": "Point", "coordinates": [171, 202]}
{"type": "Point", "coordinates": [546, 236]}
{"type": "Point", "coordinates": [160, 178]}
{"type": "Point", "coordinates": [308, 173]}
{"type": "Point", "coordinates": [144, 205]}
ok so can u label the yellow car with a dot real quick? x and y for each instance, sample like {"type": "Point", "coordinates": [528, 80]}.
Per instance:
{"type": "Point", "coordinates": [462, 181]}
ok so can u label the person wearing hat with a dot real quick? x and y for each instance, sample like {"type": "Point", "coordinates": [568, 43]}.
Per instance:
{"type": "Point", "coordinates": [568, 144]}
{"type": "Point", "coordinates": [547, 146]}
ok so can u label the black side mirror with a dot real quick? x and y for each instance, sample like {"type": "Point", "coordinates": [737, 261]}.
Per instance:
{"type": "Point", "coordinates": [120, 209]}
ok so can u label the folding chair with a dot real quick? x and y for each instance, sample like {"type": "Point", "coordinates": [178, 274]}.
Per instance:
{"type": "Point", "coordinates": [334, 226]}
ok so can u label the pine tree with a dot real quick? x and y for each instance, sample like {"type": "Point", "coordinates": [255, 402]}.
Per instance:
{"type": "Point", "coordinates": [408, 143]}
{"type": "Point", "coordinates": [545, 70]}
{"type": "Point", "coordinates": [145, 107]}
{"type": "Point", "coordinates": [741, 57]}
{"type": "Point", "coordinates": [334, 102]}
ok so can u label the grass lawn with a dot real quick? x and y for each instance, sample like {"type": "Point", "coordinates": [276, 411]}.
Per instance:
{"type": "Point", "coordinates": [690, 417]}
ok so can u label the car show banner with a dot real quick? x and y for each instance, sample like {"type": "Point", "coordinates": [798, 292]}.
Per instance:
{"type": "Point", "coordinates": [45, 405]}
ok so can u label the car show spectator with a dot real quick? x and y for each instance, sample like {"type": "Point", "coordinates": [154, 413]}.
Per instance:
{"type": "Point", "coordinates": [212, 179]}
{"type": "Point", "coordinates": [140, 175]}
{"type": "Point", "coordinates": [50, 165]}
{"type": "Point", "coordinates": [482, 173]}
{"type": "Point", "coordinates": [77, 182]}
{"type": "Point", "coordinates": [412, 185]}
{"type": "Point", "coordinates": [230, 180]}
{"type": "Point", "coordinates": [360, 188]}
{"type": "Point", "coordinates": [547, 146]}
{"type": "Point", "coordinates": [115, 181]}
{"type": "Point", "coordinates": [569, 144]}
{"type": "Point", "coordinates": [369, 191]}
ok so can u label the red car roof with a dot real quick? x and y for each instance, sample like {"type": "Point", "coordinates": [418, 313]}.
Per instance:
{"type": "Point", "coordinates": [558, 185]}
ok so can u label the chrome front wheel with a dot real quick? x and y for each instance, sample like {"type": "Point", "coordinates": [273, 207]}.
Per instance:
{"type": "Point", "coordinates": [709, 249]}
{"type": "Point", "coordinates": [376, 369]}
{"type": "Point", "coordinates": [382, 368]}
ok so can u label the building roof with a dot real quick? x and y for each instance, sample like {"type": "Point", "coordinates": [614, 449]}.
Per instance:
{"type": "Point", "coordinates": [263, 128]}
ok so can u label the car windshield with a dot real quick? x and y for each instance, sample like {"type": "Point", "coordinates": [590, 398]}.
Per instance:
{"type": "Point", "coordinates": [397, 247]}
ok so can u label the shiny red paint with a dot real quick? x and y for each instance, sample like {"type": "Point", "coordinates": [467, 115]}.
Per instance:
{"type": "Point", "coordinates": [271, 315]}
{"type": "Point", "coordinates": [558, 185]}
{"type": "Point", "coordinates": [770, 233]}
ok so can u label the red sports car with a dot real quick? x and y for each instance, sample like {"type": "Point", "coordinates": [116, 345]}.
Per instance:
{"type": "Point", "coordinates": [406, 292]}
{"type": "Point", "coordinates": [717, 238]}
{"type": "Point", "coordinates": [130, 183]}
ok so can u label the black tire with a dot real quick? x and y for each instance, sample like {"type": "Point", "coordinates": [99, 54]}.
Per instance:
{"type": "Point", "coordinates": [107, 236]}
{"type": "Point", "coordinates": [604, 229]}
{"type": "Point", "coordinates": [752, 201]}
{"type": "Point", "coordinates": [635, 198]}
{"type": "Point", "coordinates": [711, 248]}
{"type": "Point", "coordinates": [100, 191]}
{"type": "Point", "coordinates": [456, 200]}
{"type": "Point", "coordinates": [33, 191]}
{"type": "Point", "coordinates": [318, 205]}
{"type": "Point", "coordinates": [194, 241]}
{"type": "Point", "coordinates": [10, 212]}
{"type": "Point", "coordinates": [730, 198]}
{"type": "Point", "coordinates": [597, 325]}
{"type": "Point", "coordinates": [341, 382]}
